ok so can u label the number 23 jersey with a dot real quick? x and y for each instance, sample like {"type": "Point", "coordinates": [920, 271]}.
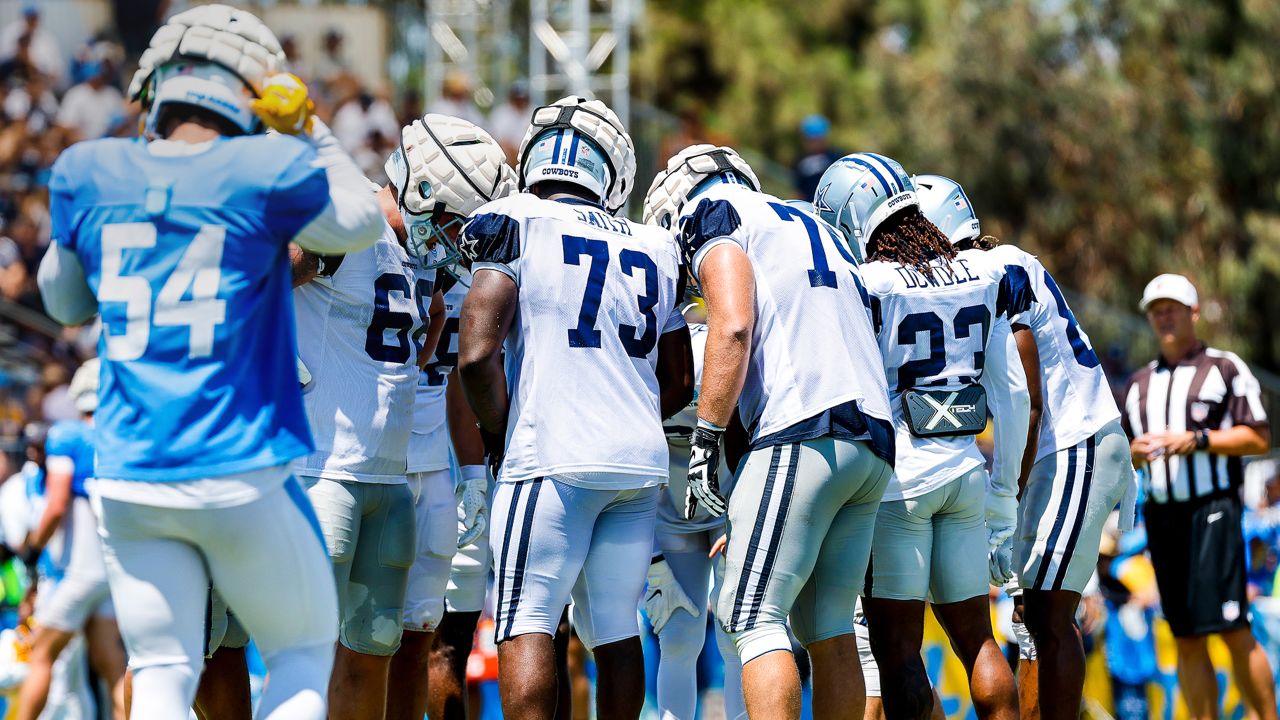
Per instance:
{"type": "Point", "coordinates": [595, 294]}
{"type": "Point", "coordinates": [359, 332]}
{"type": "Point", "coordinates": [935, 332]}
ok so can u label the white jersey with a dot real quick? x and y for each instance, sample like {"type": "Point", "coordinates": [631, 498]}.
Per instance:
{"type": "Point", "coordinates": [359, 331]}
{"type": "Point", "coordinates": [813, 348]}
{"type": "Point", "coordinates": [595, 294]}
{"type": "Point", "coordinates": [429, 441]}
{"type": "Point", "coordinates": [679, 428]}
{"type": "Point", "coordinates": [1077, 397]}
{"type": "Point", "coordinates": [935, 332]}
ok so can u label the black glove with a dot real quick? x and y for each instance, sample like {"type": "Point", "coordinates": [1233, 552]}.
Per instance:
{"type": "Point", "coordinates": [495, 446]}
{"type": "Point", "coordinates": [704, 462]}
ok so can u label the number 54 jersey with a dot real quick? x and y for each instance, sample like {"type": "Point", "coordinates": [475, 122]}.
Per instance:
{"type": "Point", "coordinates": [186, 253]}
{"type": "Point", "coordinates": [595, 293]}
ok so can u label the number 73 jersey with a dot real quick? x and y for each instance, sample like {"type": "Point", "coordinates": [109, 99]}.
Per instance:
{"type": "Point", "coordinates": [359, 333]}
{"type": "Point", "coordinates": [935, 332]}
{"type": "Point", "coordinates": [595, 294]}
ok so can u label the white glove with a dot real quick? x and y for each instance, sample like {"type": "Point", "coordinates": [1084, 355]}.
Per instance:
{"type": "Point", "coordinates": [704, 479]}
{"type": "Point", "coordinates": [664, 595]}
{"type": "Point", "coordinates": [1002, 520]}
{"type": "Point", "coordinates": [1000, 562]}
{"type": "Point", "coordinates": [304, 375]}
{"type": "Point", "coordinates": [472, 495]}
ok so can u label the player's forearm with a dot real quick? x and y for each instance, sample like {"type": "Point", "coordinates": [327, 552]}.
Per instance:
{"type": "Point", "coordinates": [486, 389]}
{"type": "Point", "coordinates": [467, 445]}
{"type": "Point", "coordinates": [63, 287]}
{"type": "Point", "coordinates": [352, 221]}
{"type": "Point", "coordinates": [675, 372]}
{"type": "Point", "coordinates": [1029, 354]}
{"type": "Point", "coordinates": [435, 327]}
{"type": "Point", "coordinates": [729, 288]}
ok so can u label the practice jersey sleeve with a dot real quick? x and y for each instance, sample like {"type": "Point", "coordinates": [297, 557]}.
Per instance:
{"type": "Point", "coordinates": [495, 237]}
{"type": "Point", "coordinates": [63, 286]}
{"type": "Point", "coordinates": [321, 200]}
{"type": "Point", "coordinates": [713, 222]}
{"type": "Point", "coordinates": [1010, 405]}
{"type": "Point", "coordinates": [1015, 297]}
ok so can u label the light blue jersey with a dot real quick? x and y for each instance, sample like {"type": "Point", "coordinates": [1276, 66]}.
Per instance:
{"type": "Point", "coordinates": [73, 439]}
{"type": "Point", "coordinates": [187, 257]}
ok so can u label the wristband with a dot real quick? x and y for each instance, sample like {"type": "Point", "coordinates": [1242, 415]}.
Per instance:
{"type": "Point", "coordinates": [1202, 439]}
{"type": "Point", "coordinates": [708, 425]}
{"type": "Point", "coordinates": [473, 472]}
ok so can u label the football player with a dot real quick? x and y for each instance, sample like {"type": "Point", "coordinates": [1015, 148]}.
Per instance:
{"type": "Point", "coordinates": [782, 301]}
{"type": "Point", "coordinates": [81, 600]}
{"type": "Point", "coordinates": [933, 312]}
{"type": "Point", "coordinates": [680, 572]}
{"type": "Point", "coordinates": [598, 355]}
{"type": "Point", "coordinates": [1082, 465]}
{"type": "Point", "coordinates": [179, 240]}
{"type": "Point", "coordinates": [363, 323]}
{"type": "Point", "coordinates": [436, 197]}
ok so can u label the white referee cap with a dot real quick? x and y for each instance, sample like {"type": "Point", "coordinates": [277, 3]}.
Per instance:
{"type": "Point", "coordinates": [1170, 287]}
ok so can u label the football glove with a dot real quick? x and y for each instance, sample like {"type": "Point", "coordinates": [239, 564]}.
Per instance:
{"type": "Point", "coordinates": [664, 595]}
{"type": "Point", "coordinates": [495, 446]}
{"type": "Point", "coordinates": [285, 105]}
{"type": "Point", "coordinates": [704, 462]}
{"type": "Point", "coordinates": [1002, 520]}
{"type": "Point", "coordinates": [304, 375]}
{"type": "Point", "coordinates": [472, 496]}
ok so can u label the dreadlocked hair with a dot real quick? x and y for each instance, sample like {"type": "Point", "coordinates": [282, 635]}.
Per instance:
{"type": "Point", "coordinates": [909, 238]}
{"type": "Point", "coordinates": [986, 242]}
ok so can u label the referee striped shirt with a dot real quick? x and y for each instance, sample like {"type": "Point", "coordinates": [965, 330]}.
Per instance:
{"type": "Point", "coordinates": [1209, 389]}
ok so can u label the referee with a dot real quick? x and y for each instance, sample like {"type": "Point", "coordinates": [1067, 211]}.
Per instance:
{"type": "Point", "coordinates": [1191, 415]}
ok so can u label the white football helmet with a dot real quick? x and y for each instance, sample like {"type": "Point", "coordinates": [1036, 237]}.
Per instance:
{"type": "Point", "coordinates": [859, 192]}
{"type": "Point", "coordinates": [444, 165]}
{"type": "Point", "coordinates": [553, 149]}
{"type": "Point", "coordinates": [83, 389]}
{"type": "Point", "coordinates": [944, 203]}
{"type": "Point", "coordinates": [688, 172]}
{"type": "Point", "coordinates": [212, 56]}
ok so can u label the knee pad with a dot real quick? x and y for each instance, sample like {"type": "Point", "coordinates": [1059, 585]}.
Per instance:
{"type": "Point", "coordinates": [164, 690]}
{"type": "Point", "coordinates": [297, 684]}
{"type": "Point", "coordinates": [682, 638]}
{"type": "Point", "coordinates": [761, 639]}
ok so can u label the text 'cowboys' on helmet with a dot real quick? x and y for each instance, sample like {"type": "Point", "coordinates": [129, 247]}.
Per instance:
{"type": "Point", "coordinates": [859, 192]}
{"type": "Point", "coordinates": [444, 169]}
{"type": "Point", "coordinates": [689, 171]}
{"type": "Point", "coordinates": [579, 141]}
{"type": "Point", "coordinates": [213, 57]}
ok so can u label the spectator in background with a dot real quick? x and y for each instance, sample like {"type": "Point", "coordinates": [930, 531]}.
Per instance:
{"type": "Point", "coordinates": [361, 116]}
{"type": "Point", "coordinates": [455, 99]}
{"type": "Point", "coordinates": [17, 68]}
{"type": "Point", "coordinates": [45, 53]}
{"type": "Point", "coordinates": [13, 271]}
{"type": "Point", "coordinates": [95, 108]}
{"type": "Point", "coordinates": [56, 403]}
{"type": "Point", "coordinates": [508, 121]}
{"type": "Point", "coordinates": [331, 74]}
{"type": "Point", "coordinates": [1262, 533]}
{"type": "Point", "coordinates": [1127, 583]}
{"type": "Point", "coordinates": [1191, 415]}
{"type": "Point", "coordinates": [815, 135]}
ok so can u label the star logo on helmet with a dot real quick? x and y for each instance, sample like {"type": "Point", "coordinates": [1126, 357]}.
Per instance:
{"type": "Point", "coordinates": [820, 200]}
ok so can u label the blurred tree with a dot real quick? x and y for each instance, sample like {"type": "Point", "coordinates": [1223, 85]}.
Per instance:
{"type": "Point", "coordinates": [1116, 138]}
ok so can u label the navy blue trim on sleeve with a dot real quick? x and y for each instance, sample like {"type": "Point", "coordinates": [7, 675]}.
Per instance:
{"type": "Point", "coordinates": [1015, 296]}
{"type": "Point", "coordinates": [492, 238]}
{"type": "Point", "coordinates": [711, 219]}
